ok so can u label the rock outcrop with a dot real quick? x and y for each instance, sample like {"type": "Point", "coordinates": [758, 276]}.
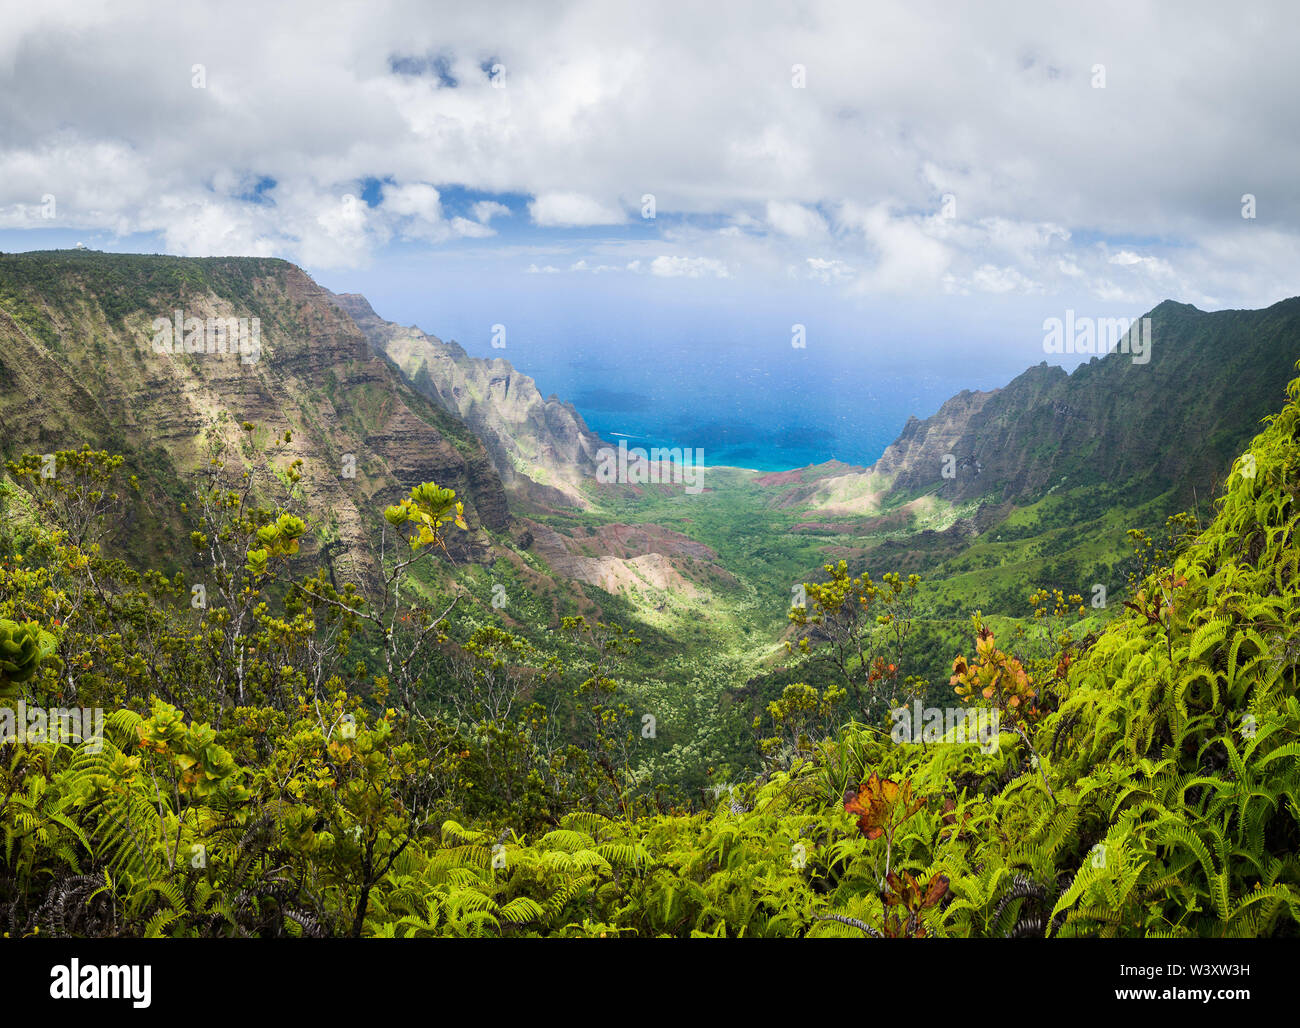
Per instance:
{"type": "Point", "coordinates": [541, 448]}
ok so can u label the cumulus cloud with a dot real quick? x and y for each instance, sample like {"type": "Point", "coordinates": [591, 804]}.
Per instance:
{"type": "Point", "coordinates": [792, 219]}
{"type": "Point", "coordinates": [570, 209]}
{"type": "Point", "coordinates": [414, 211]}
{"type": "Point", "coordinates": [486, 210]}
{"type": "Point", "coordinates": [1147, 263]}
{"type": "Point", "coordinates": [828, 271]}
{"type": "Point", "coordinates": [688, 267]}
{"type": "Point", "coordinates": [902, 105]}
{"type": "Point", "coordinates": [990, 279]}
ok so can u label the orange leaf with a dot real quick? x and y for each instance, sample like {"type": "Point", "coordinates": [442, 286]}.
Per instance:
{"type": "Point", "coordinates": [935, 892]}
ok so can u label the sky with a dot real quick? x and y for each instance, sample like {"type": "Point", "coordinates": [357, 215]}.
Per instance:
{"type": "Point", "coordinates": [919, 185]}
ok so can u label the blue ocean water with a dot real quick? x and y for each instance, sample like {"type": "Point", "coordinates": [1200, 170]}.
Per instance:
{"type": "Point", "coordinates": [715, 364]}
{"type": "Point", "coordinates": [739, 406]}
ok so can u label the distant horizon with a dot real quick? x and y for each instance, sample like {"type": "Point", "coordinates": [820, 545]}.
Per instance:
{"type": "Point", "coordinates": [753, 422]}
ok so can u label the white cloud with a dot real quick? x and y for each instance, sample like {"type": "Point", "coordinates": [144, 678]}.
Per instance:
{"type": "Point", "coordinates": [905, 254]}
{"type": "Point", "coordinates": [990, 279]}
{"type": "Point", "coordinates": [602, 104]}
{"type": "Point", "coordinates": [417, 200]}
{"type": "Point", "coordinates": [828, 271]}
{"type": "Point", "coordinates": [571, 209]}
{"type": "Point", "coordinates": [792, 219]}
{"type": "Point", "coordinates": [1155, 265]}
{"type": "Point", "coordinates": [486, 210]}
{"type": "Point", "coordinates": [688, 267]}
{"type": "Point", "coordinates": [595, 269]}
{"type": "Point", "coordinates": [470, 229]}
{"type": "Point", "coordinates": [414, 211]}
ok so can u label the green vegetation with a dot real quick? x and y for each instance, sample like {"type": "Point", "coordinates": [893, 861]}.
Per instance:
{"type": "Point", "coordinates": [285, 757]}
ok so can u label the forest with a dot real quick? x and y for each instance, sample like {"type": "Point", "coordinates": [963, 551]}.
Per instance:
{"type": "Point", "coordinates": [282, 755]}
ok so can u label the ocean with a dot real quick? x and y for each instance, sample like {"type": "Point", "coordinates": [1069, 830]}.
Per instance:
{"type": "Point", "coordinates": [741, 409]}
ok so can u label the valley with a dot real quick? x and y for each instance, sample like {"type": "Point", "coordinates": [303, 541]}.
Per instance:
{"type": "Point", "coordinates": [996, 495]}
{"type": "Point", "coordinates": [652, 643]}
{"type": "Point", "coordinates": [620, 472]}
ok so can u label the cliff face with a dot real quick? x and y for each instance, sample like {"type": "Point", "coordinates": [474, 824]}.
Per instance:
{"type": "Point", "coordinates": [78, 365]}
{"type": "Point", "coordinates": [541, 448]}
{"type": "Point", "coordinates": [1151, 426]}
{"type": "Point", "coordinates": [1169, 423]}
{"type": "Point", "coordinates": [923, 444]}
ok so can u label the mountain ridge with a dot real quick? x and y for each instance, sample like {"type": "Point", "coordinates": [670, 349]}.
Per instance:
{"type": "Point", "coordinates": [540, 446]}
{"type": "Point", "coordinates": [1048, 426]}
{"type": "Point", "coordinates": [78, 365]}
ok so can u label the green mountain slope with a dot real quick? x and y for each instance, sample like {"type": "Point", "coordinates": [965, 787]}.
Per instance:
{"type": "Point", "coordinates": [706, 579]}
{"type": "Point", "coordinates": [1176, 420]}
{"type": "Point", "coordinates": [77, 365]}
{"type": "Point", "coordinates": [1142, 782]}
{"type": "Point", "coordinates": [541, 448]}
